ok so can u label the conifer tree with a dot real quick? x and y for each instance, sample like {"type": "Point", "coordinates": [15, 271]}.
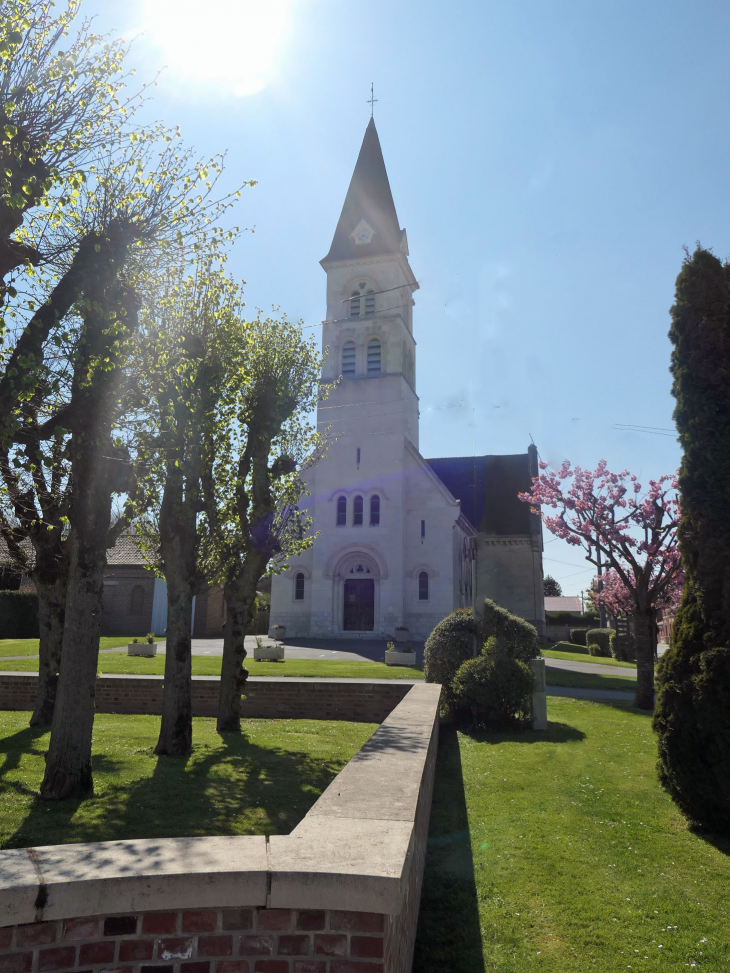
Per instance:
{"type": "Point", "coordinates": [692, 715]}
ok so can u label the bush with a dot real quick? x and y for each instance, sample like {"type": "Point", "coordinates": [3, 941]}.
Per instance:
{"type": "Point", "coordinates": [18, 615]}
{"type": "Point", "coordinates": [450, 643]}
{"type": "Point", "coordinates": [578, 636]}
{"type": "Point", "coordinates": [520, 638]}
{"type": "Point", "coordinates": [692, 720]}
{"type": "Point", "coordinates": [623, 647]}
{"type": "Point", "coordinates": [494, 687]}
{"type": "Point", "coordinates": [599, 641]}
{"type": "Point", "coordinates": [587, 619]}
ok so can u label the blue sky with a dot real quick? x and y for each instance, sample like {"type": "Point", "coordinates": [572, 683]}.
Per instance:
{"type": "Point", "coordinates": [548, 159]}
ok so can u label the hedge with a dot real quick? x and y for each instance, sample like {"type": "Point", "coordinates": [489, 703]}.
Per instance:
{"type": "Point", "coordinates": [18, 615]}
{"type": "Point", "coordinates": [571, 618]}
{"type": "Point", "coordinates": [599, 641]}
{"type": "Point", "coordinates": [578, 636]}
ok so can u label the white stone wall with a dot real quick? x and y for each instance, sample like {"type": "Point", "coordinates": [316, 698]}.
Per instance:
{"type": "Point", "coordinates": [509, 571]}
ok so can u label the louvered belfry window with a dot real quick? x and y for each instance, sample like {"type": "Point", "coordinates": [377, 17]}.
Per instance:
{"type": "Point", "coordinates": [348, 359]}
{"type": "Point", "coordinates": [369, 304]}
{"type": "Point", "coordinates": [355, 304]}
{"type": "Point", "coordinates": [374, 357]}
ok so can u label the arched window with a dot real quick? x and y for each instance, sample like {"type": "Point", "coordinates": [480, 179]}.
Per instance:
{"type": "Point", "coordinates": [357, 512]}
{"type": "Point", "coordinates": [355, 304]}
{"type": "Point", "coordinates": [348, 358]}
{"type": "Point", "coordinates": [341, 511]}
{"type": "Point", "coordinates": [136, 601]}
{"type": "Point", "coordinates": [299, 587]}
{"type": "Point", "coordinates": [423, 586]}
{"type": "Point", "coordinates": [374, 510]}
{"type": "Point", "coordinates": [369, 304]}
{"type": "Point", "coordinates": [374, 357]}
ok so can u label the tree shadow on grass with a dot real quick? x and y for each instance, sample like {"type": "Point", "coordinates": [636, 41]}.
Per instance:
{"type": "Point", "coordinates": [449, 934]}
{"type": "Point", "coordinates": [232, 787]}
{"type": "Point", "coordinates": [555, 733]}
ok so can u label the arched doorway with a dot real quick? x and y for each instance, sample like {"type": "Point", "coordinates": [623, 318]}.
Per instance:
{"type": "Point", "coordinates": [356, 579]}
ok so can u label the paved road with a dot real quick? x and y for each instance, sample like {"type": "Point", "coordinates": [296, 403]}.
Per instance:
{"type": "Point", "coordinates": [594, 668]}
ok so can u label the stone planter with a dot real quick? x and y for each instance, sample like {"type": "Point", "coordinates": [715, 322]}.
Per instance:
{"type": "Point", "coordinates": [400, 658]}
{"type": "Point", "coordinates": [268, 653]}
{"type": "Point", "coordinates": [278, 632]}
{"type": "Point", "coordinates": [147, 649]}
{"type": "Point", "coordinates": [402, 634]}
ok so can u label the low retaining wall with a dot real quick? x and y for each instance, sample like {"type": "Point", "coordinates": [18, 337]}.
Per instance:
{"type": "Point", "coordinates": [340, 894]}
{"type": "Point", "coordinates": [356, 700]}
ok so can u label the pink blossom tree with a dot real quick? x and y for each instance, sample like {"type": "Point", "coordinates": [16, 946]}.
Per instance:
{"type": "Point", "coordinates": [633, 533]}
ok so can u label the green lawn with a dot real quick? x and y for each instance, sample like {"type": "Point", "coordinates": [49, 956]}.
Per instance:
{"type": "Point", "coordinates": [578, 653]}
{"type": "Point", "coordinates": [210, 665]}
{"type": "Point", "coordinates": [559, 851]}
{"type": "Point", "coordinates": [586, 680]}
{"type": "Point", "coordinates": [262, 781]}
{"type": "Point", "coordinates": [9, 647]}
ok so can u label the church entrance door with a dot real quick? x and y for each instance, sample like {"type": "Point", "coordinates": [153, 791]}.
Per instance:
{"type": "Point", "coordinates": [359, 614]}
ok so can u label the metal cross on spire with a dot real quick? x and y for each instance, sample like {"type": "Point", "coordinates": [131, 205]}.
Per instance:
{"type": "Point", "coordinates": [371, 100]}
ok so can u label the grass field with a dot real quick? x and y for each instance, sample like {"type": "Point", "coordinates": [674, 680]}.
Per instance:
{"type": "Point", "coordinates": [262, 781]}
{"type": "Point", "coordinates": [559, 851]}
{"type": "Point", "coordinates": [210, 665]}
{"type": "Point", "coordinates": [587, 680]}
{"type": "Point", "coordinates": [9, 647]}
{"type": "Point", "coordinates": [577, 653]}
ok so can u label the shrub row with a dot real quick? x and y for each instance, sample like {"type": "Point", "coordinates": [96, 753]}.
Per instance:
{"type": "Point", "coordinates": [600, 641]}
{"type": "Point", "coordinates": [18, 615]}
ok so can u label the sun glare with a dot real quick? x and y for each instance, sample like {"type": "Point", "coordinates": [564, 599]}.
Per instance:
{"type": "Point", "coordinates": [229, 43]}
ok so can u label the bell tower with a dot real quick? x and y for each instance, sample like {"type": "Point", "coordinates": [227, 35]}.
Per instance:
{"type": "Point", "coordinates": [368, 332]}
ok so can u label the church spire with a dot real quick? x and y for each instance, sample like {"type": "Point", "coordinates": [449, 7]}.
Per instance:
{"type": "Point", "coordinates": [368, 224]}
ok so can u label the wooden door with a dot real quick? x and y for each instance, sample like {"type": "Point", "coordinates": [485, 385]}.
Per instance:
{"type": "Point", "coordinates": [359, 605]}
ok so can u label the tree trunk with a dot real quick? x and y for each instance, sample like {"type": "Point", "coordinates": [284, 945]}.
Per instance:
{"type": "Point", "coordinates": [51, 612]}
{"type": "Point", "coordinates": [176, 728]}
{"type": "Point", "coordinates": [240, 597]}
{"type": "Point", "coordinates": [68, 761]}
{"type": "Point", "coordinates": [645, 630]}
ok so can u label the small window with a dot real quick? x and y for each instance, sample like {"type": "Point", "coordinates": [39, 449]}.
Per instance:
{"type": "Point", "coordinates": [357, 512]}
{"type": "Point", "coordinates": [348, 358]}
{"type": "Point", "coordinates": [423, 529]}
{"type": "Point", "coordinates": [374, 357]}
{"type": "Point", "coordinates": [369, 304]}
{"type": "Point", "coordinates": [354, 304]}
{"type": "Point", "coordinates": [341, 511]}
{"type": "Point", "coordinates": [423, 586]}
{"type": "Point", "coordinates": [299, 587]}
{"type": "Point", "coordinates": [358, 455]}
{"type": "Point", "coordinates": [136, 601]}
{"type": "Point", "coordinates": [374, 510]}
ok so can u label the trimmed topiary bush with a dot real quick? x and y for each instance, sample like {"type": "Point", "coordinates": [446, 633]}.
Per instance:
{"type": "Point", "coordinates": [578, 636]}
{"type": "Point", "coordinates": [623, 647]}
{"type": "Point", "coordinates": [520, 638]}
{"type": "Point", "coordinates": [494, 687]}
{"type": "Point", "coordinates": [18, 615]}
{"type": "Point", "coordinates": [599, 641]}
{"type": "Point", "coordinates": [455, 639]}
{"type": "Point", "coordinates": [692, 713]}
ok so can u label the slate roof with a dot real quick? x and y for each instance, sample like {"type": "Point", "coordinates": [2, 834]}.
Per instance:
{"type": "Point", "coordinates": [369, 198]}
{"type": "Point", "coordinates": [565, 603]}
{"type": "Point", "coordinates": [125, 551]}
{"type": "Point", "coordinates": [487, 487]}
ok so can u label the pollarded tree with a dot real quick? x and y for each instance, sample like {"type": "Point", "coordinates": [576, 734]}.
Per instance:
{"type": "Point", "coordinates": [182, 372]}
{"type": "Point", "coordinates": [692, 716]}
{"type": "Point", "coordinates": [252, 482]}
{"type": "Point", "coordinates": [636, 536]}
{"type": "Point", "coordinates": [550, 587]}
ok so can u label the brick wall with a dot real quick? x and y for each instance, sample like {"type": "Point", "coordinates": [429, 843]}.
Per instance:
{"type": "Point", "coordinates": [253, 940]}
{"type": "Point", "coordinates": [119, 580]}
{"type": "Point", "coordinates": [359, 701]}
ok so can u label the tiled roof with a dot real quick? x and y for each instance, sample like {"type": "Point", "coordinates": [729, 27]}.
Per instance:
{"type": "Point", "coordinates": [125, 551]}
{"type": "Point", "coordinates": [566, 603]}
{"type": "Point", "coordinates": [487, 487]}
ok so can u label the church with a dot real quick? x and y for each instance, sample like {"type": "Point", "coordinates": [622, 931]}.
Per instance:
{"type": "Point", "coordinates": [401, 540]}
